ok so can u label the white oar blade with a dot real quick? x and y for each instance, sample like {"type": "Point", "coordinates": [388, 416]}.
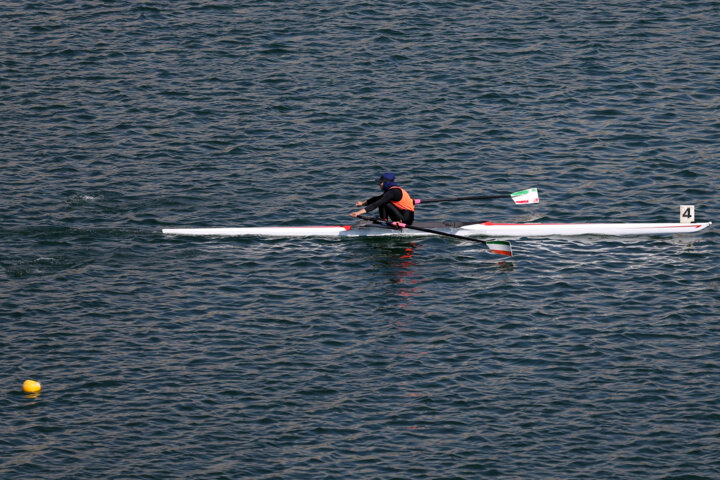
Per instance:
{"type": "Point", "coordinates": [500, 247]}
{"type": "Point", "coordinates": [525, 197]}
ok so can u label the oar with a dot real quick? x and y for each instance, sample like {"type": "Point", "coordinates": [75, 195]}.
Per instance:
{"type": "Point", "coordinates": [500, 247]}
{"type": "Point", "coordinates": [523, 197]}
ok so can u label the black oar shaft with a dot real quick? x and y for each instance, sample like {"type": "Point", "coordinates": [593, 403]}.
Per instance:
{"type": "Point", "coordinates": [458, 199]}
{"type": "Point", "coordinates": [436, 232]}
{"type": "Point", "coordinates": [501, 248]}
{"type": "Point", "coordinates": [402, 225]}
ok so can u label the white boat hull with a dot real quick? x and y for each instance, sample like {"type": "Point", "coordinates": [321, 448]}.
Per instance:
{"type": "Point", "coordinates": [565, 229]}
{"type": "Point", "coordinates": [487, 229]}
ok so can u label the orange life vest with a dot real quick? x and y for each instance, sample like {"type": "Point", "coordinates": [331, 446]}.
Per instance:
{"type": "Point", "coordinates": [405, 203]}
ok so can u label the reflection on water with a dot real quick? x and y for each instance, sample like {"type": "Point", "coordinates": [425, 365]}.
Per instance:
{"type": "Point", "coordinates": [506, 266]}
{"type": "Point", "coordinates": [407, 279]}
{"type": "Point", "coordinates": [395, 260]}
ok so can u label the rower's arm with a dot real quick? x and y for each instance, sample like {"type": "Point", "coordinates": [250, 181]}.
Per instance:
{"type": "Point", "coordinates": [392, 194]}
{"type": "Point", "coordinates": [369, 201]}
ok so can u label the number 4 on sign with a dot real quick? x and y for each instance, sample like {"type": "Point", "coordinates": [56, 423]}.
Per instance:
{"type": "Point", "coordinates": [687, 213]}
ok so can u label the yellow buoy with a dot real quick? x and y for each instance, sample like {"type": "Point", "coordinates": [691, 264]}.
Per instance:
{"type": "Point", "coordinates": [31, 386]}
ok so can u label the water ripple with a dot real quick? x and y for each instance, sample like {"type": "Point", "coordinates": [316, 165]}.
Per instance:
{"type": "Point", "coordinates": [167, 357]}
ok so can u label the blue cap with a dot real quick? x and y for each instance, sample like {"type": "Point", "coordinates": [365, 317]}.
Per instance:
{"type": "Point", "coordinates": [386, 177]}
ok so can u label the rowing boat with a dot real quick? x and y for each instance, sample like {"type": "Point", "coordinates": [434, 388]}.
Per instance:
{"type": "Point", "coordinates": [485, 229]}
{"type": "Point", "coordinates": [373, 227]}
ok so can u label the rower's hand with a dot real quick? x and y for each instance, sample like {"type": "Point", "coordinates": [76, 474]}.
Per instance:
{"type": "Point", "coordinates": [359, 212]}
{"type": "Point", "coordinates": [360, 203]}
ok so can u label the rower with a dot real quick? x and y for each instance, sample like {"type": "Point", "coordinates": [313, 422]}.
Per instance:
{"type": "Point", "coordinates": [394, 204]}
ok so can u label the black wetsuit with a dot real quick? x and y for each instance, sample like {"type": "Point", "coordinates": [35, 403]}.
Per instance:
{"type": "Point", "coordinates": [387, 209]}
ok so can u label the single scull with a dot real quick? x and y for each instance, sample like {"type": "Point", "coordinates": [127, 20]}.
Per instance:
{"type": "Point", "coordinates": [486, 229]}
{"type": "Point", "coordinates": [370, 227]}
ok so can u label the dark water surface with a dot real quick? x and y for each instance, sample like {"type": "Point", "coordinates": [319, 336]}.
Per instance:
{"type": "Point", "coordinates": [167, 357]}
